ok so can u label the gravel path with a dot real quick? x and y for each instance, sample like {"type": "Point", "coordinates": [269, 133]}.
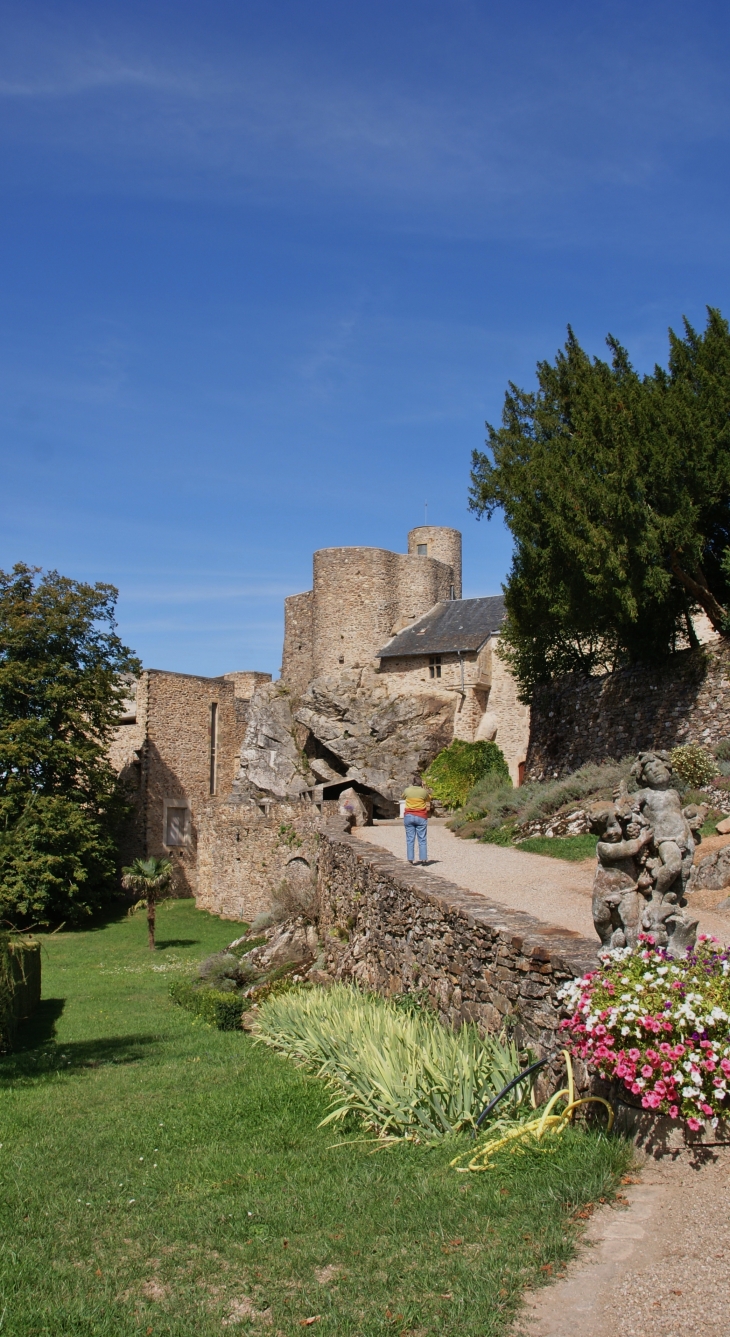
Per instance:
{"type": "Point", "coordinates": [553, 890]}
{"type": "Point", "coordinates": [655, 1268]}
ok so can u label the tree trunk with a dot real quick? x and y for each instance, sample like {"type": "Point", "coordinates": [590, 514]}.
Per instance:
{"type": "Point", "coordinates": [700, 591]}
{"type": "Point", "coordinates": [151, 923]}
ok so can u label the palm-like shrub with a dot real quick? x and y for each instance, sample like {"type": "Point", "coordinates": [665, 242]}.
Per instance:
{"type": "Point", "coordinates": [149, 879]}
{"type": "Point", "coordinates": [403, 1072]}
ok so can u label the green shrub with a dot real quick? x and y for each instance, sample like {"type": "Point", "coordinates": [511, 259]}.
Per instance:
{"type": "Point", "coordinates": [540, 799]}
{"type": "Point", "coordinates": [219, 1009]}
{"type": "Point", "coordinates": [694, 764]}
{"type": "Point", "coordinates": [402, 1072]}
{"type": "Point", "coordinates": [455, 771]}
{"type": "Point", "coordinates": [722, 751]}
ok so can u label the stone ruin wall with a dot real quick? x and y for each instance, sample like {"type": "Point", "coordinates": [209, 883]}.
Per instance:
{"type": "Point", "coordinates": [361, 595]}
{"type": "Point", "coordinates": [247, 852]}
{"type": "Point", "coordinates": [444, 544]}
{"type": "Point", "coordinates": [297, 668]}
{"type": "Point", "coordinates": [394, 929]}
{"type": "Point", "coordinates": [578, 720]}
{"type": "Point", "coordinates": [176, 758]}
{"type": "Point", "coordinates": [508, 716]}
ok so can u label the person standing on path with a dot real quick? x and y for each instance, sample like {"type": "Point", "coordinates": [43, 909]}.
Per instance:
{"type": "Point", "coordinates": [415, 820]}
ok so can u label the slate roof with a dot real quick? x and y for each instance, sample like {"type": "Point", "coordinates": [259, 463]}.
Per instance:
{"type": "Point", "coordinates": [455, 624]}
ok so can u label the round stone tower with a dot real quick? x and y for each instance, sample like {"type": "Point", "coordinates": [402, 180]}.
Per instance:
{"type": "Point", "coordinates": [441, 543]}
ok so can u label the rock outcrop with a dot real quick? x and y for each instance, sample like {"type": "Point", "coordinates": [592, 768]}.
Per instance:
{"type": "Point", "coordinates": [271, 755]}
{"type": "Point", "coordinates": [380, 739]}
{"type": "Point", "coordinates": [712, 873]}
{"type": "Point", "coordinates": [383, 739]}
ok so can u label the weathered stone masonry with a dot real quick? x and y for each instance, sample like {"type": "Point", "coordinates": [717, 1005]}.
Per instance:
{"type": "Point", "coordinates": [394, 929]}
{"type": "Point", "coordinates": [578, 720]}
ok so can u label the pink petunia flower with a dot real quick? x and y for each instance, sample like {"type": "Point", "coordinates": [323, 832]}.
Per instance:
{"type": "Point", "coordinates": [694, 1124]}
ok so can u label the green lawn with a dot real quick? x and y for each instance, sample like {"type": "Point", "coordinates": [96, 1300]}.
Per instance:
{"type": "Point", "coordinates": [161, 1177]}
{"type": "Point", "coordinates": [573, 848]}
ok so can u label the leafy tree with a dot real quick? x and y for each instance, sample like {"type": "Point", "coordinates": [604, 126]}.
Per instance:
{"type": "Point", "coordinates": [617, 490]}
{"type": "Point", "coordinates": [60, 688]}
{"type": "Point", "coordinates": [150, 879]}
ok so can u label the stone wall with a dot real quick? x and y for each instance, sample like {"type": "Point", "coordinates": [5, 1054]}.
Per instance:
{"type": "Point", "coordinates": [250, 854]}
{"type": "Point", "coordinates": [506, 719]}
{"type": "Point", "coordinates": [394, 928]}
{"type": "Point", "coordinates": [578, 720]}
{"type": "Point", "coordinates": [297, 668]}
{"type": "Point", "coordinates": [362, 595]}
{"type": "Point", "coordinates": [442, 543]}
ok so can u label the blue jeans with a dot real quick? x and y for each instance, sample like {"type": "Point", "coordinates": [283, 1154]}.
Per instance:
{"type": "Point", "coordinates": [415, 826]}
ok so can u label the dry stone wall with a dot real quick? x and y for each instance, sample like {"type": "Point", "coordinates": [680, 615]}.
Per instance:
{"type": "Point", "coordinates": [395, 929]}
{"type": "Point", "coordinates": [578, 720]}
{"type": "Point", "coordinates": [250, 854]}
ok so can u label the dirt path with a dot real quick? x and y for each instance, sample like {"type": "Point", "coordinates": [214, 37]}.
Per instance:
{"type": "Point", "coordinates": [655, 1268]}
{"type": "Point", "coordinates": [550, 889]}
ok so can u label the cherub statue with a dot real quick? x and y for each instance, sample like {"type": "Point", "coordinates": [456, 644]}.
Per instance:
{"type": "Point", "coordinates": [620, 879]}
{"type": "Point", "coordinates": [644, 861]}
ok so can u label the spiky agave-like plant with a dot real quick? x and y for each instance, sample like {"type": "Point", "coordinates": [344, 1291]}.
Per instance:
{"type": "Point", "coordinates": [150, 879]}
{"type": "Point", "coordinates": [406, 1075]}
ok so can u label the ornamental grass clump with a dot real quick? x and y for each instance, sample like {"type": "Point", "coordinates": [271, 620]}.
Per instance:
{"type": "Point", "coordinates": [659, 1026]}
{"type": "Point", "coordinates": [402, 1072]}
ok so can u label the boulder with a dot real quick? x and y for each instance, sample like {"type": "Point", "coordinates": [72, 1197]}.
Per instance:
{"type": "Point", "coordinates": [384, 739]}
{"type": "Point", "coordinates": [712, 873]}
{"type": "Point", "coordinates": [293, 943]}
{"type": "Point", "coordinates": [723, 827]}
{"type": "Point", "coordinates": [355, 808]}
{"type": "Point", "coordinates": [271, 759]}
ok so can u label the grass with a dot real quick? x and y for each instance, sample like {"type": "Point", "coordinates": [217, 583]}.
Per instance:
{"type": "Point", "coordinates": [160, 1177]}
{"type": "Point", "coordinates": [573, 848]}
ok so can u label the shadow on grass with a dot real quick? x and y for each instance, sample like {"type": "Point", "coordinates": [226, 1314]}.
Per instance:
{"type": "Point", "coordinates": [160, 945]}
{"type": "Point", "coordinates": [41, 1027]}
{"type": "Point", "coordinates": [44, 1056]}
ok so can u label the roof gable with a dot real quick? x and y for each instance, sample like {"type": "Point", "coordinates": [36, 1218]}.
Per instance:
{"type": "Point", "coordinates": [455, 624]}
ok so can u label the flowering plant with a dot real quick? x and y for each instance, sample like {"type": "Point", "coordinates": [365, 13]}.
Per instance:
{"type": "Point", "coordinates": [661, 1026]}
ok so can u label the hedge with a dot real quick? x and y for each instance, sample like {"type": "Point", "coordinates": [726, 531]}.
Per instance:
{"type": "Point", "coordinates": [215, 1006]}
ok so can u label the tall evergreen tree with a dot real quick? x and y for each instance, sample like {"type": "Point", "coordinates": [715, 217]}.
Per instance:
{"type": "Point", "coordinates": [617, 490]}
{"type": "Point", "coordinates": [61, 667]}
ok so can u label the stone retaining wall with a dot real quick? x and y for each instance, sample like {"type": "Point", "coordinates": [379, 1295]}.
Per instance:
{"type": "Point", "coordinates": [577, 720]}
{"type": "Point", "coordinates": [394, 928]}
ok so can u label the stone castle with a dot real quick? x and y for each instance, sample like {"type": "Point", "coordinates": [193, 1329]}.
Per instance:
{"type": "Point", "coordinates": [383, 665]}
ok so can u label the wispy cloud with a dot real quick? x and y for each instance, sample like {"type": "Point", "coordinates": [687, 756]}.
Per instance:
{"type": "Point", "coordinates": [583, 114]}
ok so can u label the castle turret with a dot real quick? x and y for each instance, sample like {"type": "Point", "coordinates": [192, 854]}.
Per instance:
{"type": "Point", "coordinates": [441, 543]}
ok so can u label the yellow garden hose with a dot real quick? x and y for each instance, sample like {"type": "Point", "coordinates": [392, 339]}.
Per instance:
{"type": "Point", "coordinates": [536, 1128]}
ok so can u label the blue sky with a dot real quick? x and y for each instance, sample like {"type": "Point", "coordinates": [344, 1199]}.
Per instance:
{"type": "Point", "coordinates": [267, 267]}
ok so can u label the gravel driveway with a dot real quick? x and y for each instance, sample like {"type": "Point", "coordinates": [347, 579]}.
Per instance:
{"type": "Point", "coordinates": [553, 890]}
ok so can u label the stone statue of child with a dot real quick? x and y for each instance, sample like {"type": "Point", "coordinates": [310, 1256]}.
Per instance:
{"type": "Point", "coordinates": [644, 862]}
{"type": "Point", "coordinates": [619, 880]}
{"type": "Point", "coordinates": [661, 805]}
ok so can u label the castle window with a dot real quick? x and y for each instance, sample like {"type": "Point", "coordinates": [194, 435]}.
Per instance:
{"type": "Point", "coordinates": [177, 826]}
{"type": "Point", "coordinates": [434, 666]}
{"type": "Point", "coordinates": [213, 745]}
{"type": "Point", "coordinates": [422, 550]}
